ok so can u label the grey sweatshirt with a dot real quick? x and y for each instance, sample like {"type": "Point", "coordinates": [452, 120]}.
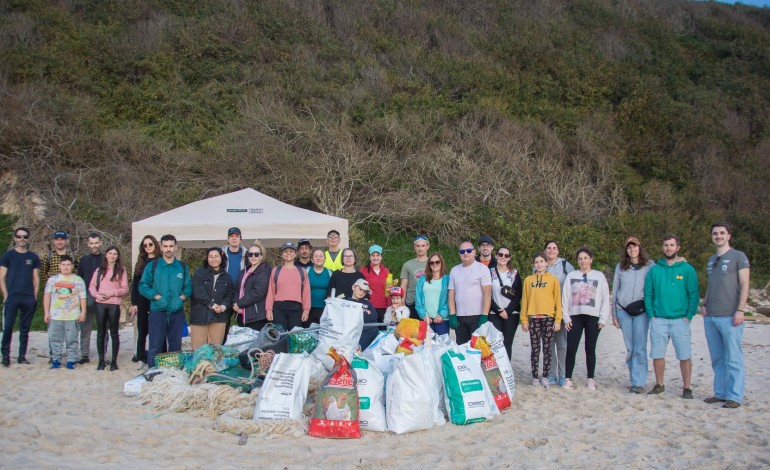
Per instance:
{"type": "Point", "coordinates": [628, 286]}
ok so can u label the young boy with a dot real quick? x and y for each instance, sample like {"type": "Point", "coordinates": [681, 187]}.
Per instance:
{"type": "Point", "coordinates": [397, 310]}
{"type": "Point", "coordinates": [64, 304]}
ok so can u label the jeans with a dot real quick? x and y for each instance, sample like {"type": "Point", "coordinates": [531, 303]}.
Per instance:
{"type": "Point", "coordinates": [677, 330]}
{"type": "Point", "coordinates": [441, 328]}
{"type": "Point", "coordinates": [164, 326]}
{"type": "Point", "coordinates": [724, 341]}
{"type": "Point", "coordinates": [635, 330]}
{"type": "Point", "coordinates": [11, 308]}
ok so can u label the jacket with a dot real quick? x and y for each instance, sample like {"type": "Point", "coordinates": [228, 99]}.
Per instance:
{"type": "Point", "coordinates": [443, 300]}
{"type": "Point", "coordinates": [254, 294]}
{"type": "Point", "coordinates": [88, 265]}
{"type": "Point", "coordinates": [169, 280]}
{"type": "Point", "coordinates": [671, 292]}
{"type": "Point", "coordinates": [118, 289]}
{"type": "Point", "coordinates": [206, 293]}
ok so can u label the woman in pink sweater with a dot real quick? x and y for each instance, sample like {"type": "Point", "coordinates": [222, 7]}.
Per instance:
{"type": "Point", "coordinates": [108, 287]}
{"type": "Point", "coordinates": [288, 295]}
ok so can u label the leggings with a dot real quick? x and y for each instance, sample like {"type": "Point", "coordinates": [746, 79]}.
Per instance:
{"type": "Point", "coordinates": [541, 330]}
{"type": "Point", "coordinates": [591, 326]}
{"type": "Point", "coordinates": [142, 328]}
{"type": "Point", "coordinates": [107, 315]}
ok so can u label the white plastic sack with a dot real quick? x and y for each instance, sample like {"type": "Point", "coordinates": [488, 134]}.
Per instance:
{"type": "Point", "coordinates": [341, 325]}
{"type": "Point", "coordinates": [409, 396]}
{"type": "Point", "coordinates": [239, 337]}
{"type": "Point", "coordinates": [495, 341]}
{"type": "Point", "coordinates": [382, 354]}
{"type": "Point", "coordinates": [284, 391]}
{"type": "Point", "coordinates": [440, 345]}
{"type": "Point", "coordinates": [371, 395]}
{"type": "Point", "coordinates": [467, 395]}
{"type": "Point", "coordinates": [133, 387]}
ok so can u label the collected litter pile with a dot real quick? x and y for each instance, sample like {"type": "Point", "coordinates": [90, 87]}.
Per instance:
{"type": "Point", "coordinates": [315, 381]}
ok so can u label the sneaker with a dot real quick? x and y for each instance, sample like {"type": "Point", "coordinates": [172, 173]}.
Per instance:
{"type": "Point", "coordinates": [84, 360]}
{"type": "Point", "coordinates": [560, 382]}
{"type": "Point", "coordinates": [687, 393]}
{"type": "Point", "coordinates": [711, 400]}
{"type": "Point", "coordinates": [6, 362]}
{"type": "Point", "coordinates": [567, 384]}
{"type": "Point", "coordinates": [553, 379]}
{"type": "Point", "coordinates": [591, 385]}
{"type": "Point", "coordinates": [535, 382]}
{"type": "Point", "coordinates": [55, 364]}
{"type": "Point", "coordinates": [657, 389]}
{"type": "Point", "coordinates": [731, 404]}
{"type": "Point", "coordinates": [636, 390]}
{"type": "Point", "coordinates": [70, 365]}
{"type": "Point", "coordinates": [22, 360]}
{"type": "Point", "coordinates": [545, 382]}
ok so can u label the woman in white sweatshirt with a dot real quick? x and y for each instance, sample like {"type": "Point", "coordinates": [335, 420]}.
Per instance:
{"type": "Point", "coordinates": [586, 307]}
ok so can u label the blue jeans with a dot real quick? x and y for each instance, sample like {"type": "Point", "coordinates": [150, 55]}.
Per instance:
{"type": "Point", "coordinates": [164, 327]}
{"type": "Point", "coordinates": [441, 328]}
{"type": "Point", "coordinates": [635, 330]}
{"type": "Point", "coordinates": [724, 341]}
{"type": "Point", "coordinates": [11, 308]}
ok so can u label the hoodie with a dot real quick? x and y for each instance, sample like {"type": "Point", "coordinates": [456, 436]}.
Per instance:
{"type": "Point", "coordinates": [542, 296]}
{"type": "Point", "coordinates": [671, 292]}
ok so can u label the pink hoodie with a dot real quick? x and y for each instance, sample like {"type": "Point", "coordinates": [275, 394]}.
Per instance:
{"type": "Point", "coordinates": [117, 289]}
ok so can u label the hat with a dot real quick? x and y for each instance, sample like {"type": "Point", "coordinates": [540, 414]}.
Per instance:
{"type": "Point", "coordinates": [333, 231]}
{"type": "Point", "coordinates": [233, 230]}
{"type": "Point", "coordinates": [60, 234]}
{"type": "Point", "coordinates": [375, 249]}
{"type": "Point", "coordinates": [486, 239]}
{"type": "Point", "coordinates": [397, 291]}
{"type": "Point", "coordinates": [304, 241]}
{"type": "Point", "coordinates": [633, 240]}
{"type": "Point", "coordinates": [288, 245]}
{"type": "Point", "coordinates": [363, 284]}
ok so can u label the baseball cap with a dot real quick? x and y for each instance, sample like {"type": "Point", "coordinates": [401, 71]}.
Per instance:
{"type": "Point", "coordinates": [633, 240]}
{"type": "Point", "coordinates": [304, 241]}
{"type": "Point", "coordinates": [233, 230]}
{"type": "Point", "coordinates": [363, 284]}
{"type": "Point", "coordinates": [375, 249]}
{"type": "Point", "coordinates": [486, 239]}
{"type": "Point", "coordinates": [288, 245]}
{"type": "Point", "coordinates": [397, 291]}
{"type": "Point", "coordinates": [60, 234]}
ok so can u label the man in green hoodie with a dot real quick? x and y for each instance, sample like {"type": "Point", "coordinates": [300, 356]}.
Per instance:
{"type": "Point", "coordinates": [671, 299]}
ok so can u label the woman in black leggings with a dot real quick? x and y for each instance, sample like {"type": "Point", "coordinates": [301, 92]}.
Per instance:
{"type": "Point", "coordinates": [108, 287]}
{"type": "Point", "coordinates": [140, 306]}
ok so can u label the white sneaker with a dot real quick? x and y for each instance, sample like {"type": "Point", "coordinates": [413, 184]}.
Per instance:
{"type": "Point", "coordinates": [545, 382]}
{"type": "Point", "coordinates": [567, 384]}
{"type": "Point", "coordinates": [535, 382]}
{"type": "Point", "coordinates": [591, 385]}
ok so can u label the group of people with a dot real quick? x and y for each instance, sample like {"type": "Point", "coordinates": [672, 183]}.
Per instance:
{"type": "Point", "coordinates": [555, 303]}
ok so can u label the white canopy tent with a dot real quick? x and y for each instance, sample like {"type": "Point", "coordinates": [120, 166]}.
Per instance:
{"type": "Point", "coordinates": [204, 223]}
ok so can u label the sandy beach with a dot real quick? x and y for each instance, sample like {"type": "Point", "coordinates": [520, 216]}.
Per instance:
{"type": "Point", "coordinates": [81, 419]}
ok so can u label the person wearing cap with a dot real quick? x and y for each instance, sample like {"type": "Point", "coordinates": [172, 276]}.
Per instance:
{"type": "Point", "coordinates": [413, 270]}
{"type": "Point", "coordinates": [304, 248]}
{"type": "Point", "coordinates": [359, 290]}
{"type": "Point", "coordinates": [333, 260]}
{"type": "Point", "coordinates": [486, 245]}
{"type": "Point", "coordinates": [56, 249]}
{"type": "Point", "coordinates": [379, 279]}
{"type": "Point", "coordinates": [342, 280]}
{"type": "Point", "coordinates": [627, 288]}
{"type": "Point", "coordinates": [19, 284]}
{"type": "Point", "coordinates": [288, 293]}
{"type": "Point", "coordinates": [87, 266]}
{"type": "Point", "coordinates": [431, 296]}
{"type": "Point", "coordinates": [469, 294]}
{"type": "Point", "coordinates": [235, 253]}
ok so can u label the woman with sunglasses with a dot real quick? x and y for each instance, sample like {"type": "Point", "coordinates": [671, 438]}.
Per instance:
{"type": "Point", "coordinates": [318, 277]}
{"type": "Point", "coordinates": [506, 297]}
{"type": "Point", "coordinates": [140, 306]}
{"type": "Point", "coordinates": [431, 295]}
{"type": "Point", "coordinates": [342, 280]}
{"type": "Point", "coordinates": [251, 289]}
{"type": "Point", "coordinates": [586, 307]}
{"type": "Point", "coordinates": [627, 289]}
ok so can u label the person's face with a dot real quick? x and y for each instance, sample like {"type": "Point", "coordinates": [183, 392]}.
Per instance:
{"type": "Point", "coordinates": [234, 240]}
{"type": "Point", "coordinates": [333, 240]}
{"type": "Point", "coordinates": [22, 238]}
{"type": "Point", "coordinates": [421, 247]}
{"type": "Point", "coordinates": [632, 250]}
{"type": "Point", "coordinates": [551, 252]}
{"type": "Point", "coordinates": [358, 293]}
{"type": "Point", "coordinates": [59, 243]}
{"type": "Point", "coordinates": [720, 237]}
{"type": "Point", "coordinates": [214, 259]}
{"type": "Point", "coordinates": [318, 259]}
{"type": "Point", "coordinates": [485, 249]}
{"type": "Point", "coordinates": [348, 258]}
{"type": "Point", "coordinates": [584, 261]}
{"type": "Point", "coordinates": [148, 245]}
{"type": "Point", "coordinates": [435, 264]}
{"type": "Point", "coordinates": [94, 244]}
{"type": "Point", "coordinates": [254, 255]}
{"type": "Point", "coordinates": [540, 264]}
{"type": "Point", "coordinates": [467, 253]}
{"type": "Point", "coordinates": [112, 256]}
{"type": "Point", "coordinates": [168, 248]}
{"type": "Point", "coordinates": [375, 258]}
{"type": "Point", "coordinates": [66, 267]}
{"type": "Point", "coordinates": [396, 300]}
{"type": "Point", "coordinates": [289, 254]}
{"type": "Point", "coordinates": [670, 248]}
{"type": "Point", "coordinates": [304, 251]}
{"type": "Point", "coordinates": [503, 256]}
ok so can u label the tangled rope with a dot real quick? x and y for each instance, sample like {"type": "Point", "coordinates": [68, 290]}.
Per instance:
{"type": "Point", "coordinates": [240, 421]}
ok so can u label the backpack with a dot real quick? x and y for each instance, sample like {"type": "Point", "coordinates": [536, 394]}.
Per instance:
{"type": "Point", "coordinates": [302, 275]}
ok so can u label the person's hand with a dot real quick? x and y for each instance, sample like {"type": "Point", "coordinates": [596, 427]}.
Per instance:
{"type": "Point", "coordinates": [568, 325]}
{"type": "Point", "coordinates": [236, 308]}
{"type": "Point", "coordinates": [453, 323]}
{"type": "Point", "coordinates": [483, 319]}
{"type": "Point", "coordinates": [703, 310]}
{"type": "Point", "coordinates": [181, 296]}
{"type": "Point", "coordinates": [503, 314]}
{"type": "Point", "coordinates": [525, 327]}
{"type": "Point", "coordinates": [437, 320]}
{"type": "Point", "coordinates": [738, 318]}
{"type": "Point", "coordinates": [269, 315]}
{"type": "Point", "coordinates": [305, 315]}
{"type": "Point", "coordinates": [557, 326]}
{"type": "Point", "coordinates": [104, 296]}
{"type": "Point", "coordinates": [133, 310]}
{"type": "Point", "coordinates": [616, 322]}
{"type": "Point", "coordinates": [82, 318]}
{"type": "Point", "coordinates": [601, 325]}
{"type": "Point", "coordinates": [47, 318]}
{"type": "Point", "coordinates": [157, 297]}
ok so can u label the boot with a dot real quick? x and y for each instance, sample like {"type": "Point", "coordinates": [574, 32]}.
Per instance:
{"type": "Point", "coordinates": [100, 366]}
{"type": "Point", "coordinates": [114, 365]}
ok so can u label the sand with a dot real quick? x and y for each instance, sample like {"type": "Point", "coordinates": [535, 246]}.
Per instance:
{"type": "Point", "coordinates": [81, 419]}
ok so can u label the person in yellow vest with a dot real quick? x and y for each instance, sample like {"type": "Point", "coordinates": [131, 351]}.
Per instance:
{"type": "Point", "coordinates": [333, 258]}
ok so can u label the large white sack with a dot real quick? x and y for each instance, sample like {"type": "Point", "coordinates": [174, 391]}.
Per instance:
{"type": "Point", "coordinates": [495, 341]}
{"type": "Point", "coordinates": [371, 394]}
{"type": "Point", "coordinates": [440, 345]}
{"type": "Point", "coordinates": [409, 398]}
{"type": "Point", "coordinates": [284, 391]}
{"type": "Point", "coordinates": [341, 325]}
{"type": "Point", "coordinates": [467, 395]}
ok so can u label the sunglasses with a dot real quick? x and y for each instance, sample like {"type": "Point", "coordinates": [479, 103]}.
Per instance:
{"type": "Point", "coordinates": [23, 237]}
{"type": "Point", "coordinates": [252, 254]}
{"type": "Point", "coordinates": [504, 255]}
{"type": "Point", "coordinates": [467, 250]}
{"type": "Point", "coordinates": [148, 245]}
{"type": "Point", "coordinates": [333, 237]}
{"type": "Point", "coordinates": [435, 262]}
{"type": "Point", "coordinates": [421, 237]}
{"type": "Point", "coordinates": [585, 277]}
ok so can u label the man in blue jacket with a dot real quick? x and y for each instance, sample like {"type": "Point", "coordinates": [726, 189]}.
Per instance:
{"type": "Point", "coordinates": [166, 284]}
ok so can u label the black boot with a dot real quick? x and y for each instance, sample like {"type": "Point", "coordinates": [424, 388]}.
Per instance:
{"type": "Point", "coordinates": [114, 365]}
{"type": "Point", "coordinates": [100, 366]}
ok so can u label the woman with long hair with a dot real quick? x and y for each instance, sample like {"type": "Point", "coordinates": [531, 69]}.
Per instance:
{"type": "Point", "coordinates": [506, 297]}
{"type": "Point", "coordinates": [628, 309]}
{"type": "Point", "coordinates": [251, 289]}
{"type": "Point", "coordinates": [108, 287]}
{"type": "Point", "coordinates": [288, 292]}
{"type": "Point", "coordinates": [211, 301]}
{"type": "Point", "coordinates": [318, 277]}
{"type": "Point", "coordinates": [379, 279]}
{"type": "Point", "coordinates": [586, 306]}
{"type": "Point", "coordinates": [342, 280]}
{"type": "Point", "coordinates": [140, 306]}
{"type": "Point", "coordinates": [432, 293]}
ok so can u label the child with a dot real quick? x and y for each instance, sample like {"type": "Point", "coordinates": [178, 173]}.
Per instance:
{"type": "Point", "coordinates": [541, 315]}
{"type": "Point", "coordinates": [397, 310]}
{"type": "Point", "coordinates": [360, 290]}
{"type": "Point", "coordinates": [64, 305]}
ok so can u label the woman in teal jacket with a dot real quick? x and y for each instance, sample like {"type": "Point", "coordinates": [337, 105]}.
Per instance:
{"type": "Point", "coordinates": [431, 294]}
